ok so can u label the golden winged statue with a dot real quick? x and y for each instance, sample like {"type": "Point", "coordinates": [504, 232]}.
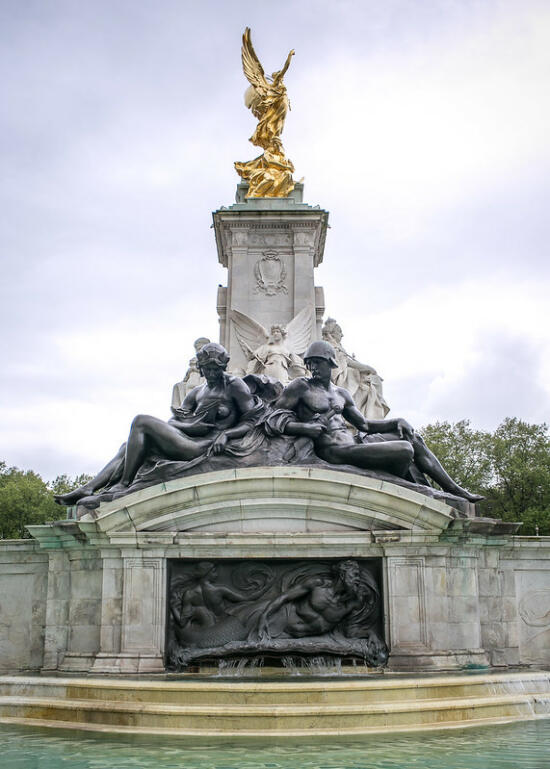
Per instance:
{"type": "Point", "coordinates": [270, 174]}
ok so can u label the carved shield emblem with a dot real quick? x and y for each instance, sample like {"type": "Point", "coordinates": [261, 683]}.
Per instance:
{"type": "Point", "coordinates": [270, 274]}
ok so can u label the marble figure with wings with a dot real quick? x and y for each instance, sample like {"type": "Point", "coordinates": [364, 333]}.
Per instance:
{"type": "Point", "coordinates": [276, 353]}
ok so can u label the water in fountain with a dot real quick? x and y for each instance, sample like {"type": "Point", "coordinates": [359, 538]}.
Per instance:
{"type": "Point", "coordinates": [513, 746]}
{"type": "Point", "coordinates": [542, 706]}
{"type": "Point", "coordinates": [239, 667]}
{"type": "Point", "coordinates": [318, 666]}
{"type": "Point", "coordinates": [536, 705]}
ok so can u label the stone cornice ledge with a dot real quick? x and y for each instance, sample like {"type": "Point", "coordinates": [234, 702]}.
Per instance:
{"type": "Point", "coordinates": [272, 499]}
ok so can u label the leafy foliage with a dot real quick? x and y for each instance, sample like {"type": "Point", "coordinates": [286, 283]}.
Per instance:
{"type": "Point", "coordinates": [510, 467]}
{"type": "Point", "coordinates": [63, 483]}
{"type": "Point", "coordinates": [520, 455]}
{"type": "Point", "coordinates": [26, 499]}
{"type": "Point", "coordinates": [463, 452]}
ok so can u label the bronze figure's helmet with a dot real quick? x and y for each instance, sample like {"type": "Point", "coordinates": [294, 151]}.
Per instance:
{"type": "Point", "coordinates": [213, 353]}
{"type": "Point", "coordinates": [322, 350]}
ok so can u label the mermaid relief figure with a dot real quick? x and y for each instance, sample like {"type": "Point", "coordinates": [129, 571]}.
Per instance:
{"type": "Point", "coordinates": [201, 608]}
{"type": "Point", "coordinates": [213, 415]}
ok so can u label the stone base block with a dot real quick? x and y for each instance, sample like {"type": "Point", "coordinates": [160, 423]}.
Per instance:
{"type": "Point", "coordinates": [128, 663]}
{"type": "Point", "coordinates": [77, 662]}
{"type": "Point", "coordinates": [505, 657]}
{"type": "Point", "coordinates": [456, 659]}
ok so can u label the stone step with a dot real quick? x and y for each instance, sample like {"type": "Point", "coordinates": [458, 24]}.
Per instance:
{"type": "Point", "coordinates": [254, 719]}
{"type": "Point", "coordinates": [296, 692]}
{"type": "Point", "coordinates": [202, 734]}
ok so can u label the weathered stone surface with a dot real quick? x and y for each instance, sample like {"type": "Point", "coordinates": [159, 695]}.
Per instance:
{"type": "Point", "coordinates": [533, 611]}
{"type": "Point", "coordinates": [23, 589]}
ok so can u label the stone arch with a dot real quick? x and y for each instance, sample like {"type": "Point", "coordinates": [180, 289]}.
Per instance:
{"type": "Point", "coordinates": [267, 499]}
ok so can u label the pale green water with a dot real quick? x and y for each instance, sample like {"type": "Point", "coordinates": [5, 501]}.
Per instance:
{"type": "Point", "coordinates": [518, 746]}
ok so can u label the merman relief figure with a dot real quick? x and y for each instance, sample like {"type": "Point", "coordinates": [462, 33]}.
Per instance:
{"type": "Point", "coordinates": [343, 598]}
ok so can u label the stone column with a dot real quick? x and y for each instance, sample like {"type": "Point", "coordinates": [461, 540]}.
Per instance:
{"type": "Point", "coordinates": [85, 609]}
{"type": "Point", "coordinates": [142, 615]}
{"type": "Point", "coordinates": [406, 601]}
{"type": "Point", "coordinates": [107, 659]}
{"type": "Point", "coordinates": [463, 599]}
{"type": "Point", "coordinates": [57, 610]}
{"type": "Point", "coordinates": [23, 591]}
{"type": "Point", "coordinates": [270, 247]}
{"type": "Point", "coordinates": [433, 605]}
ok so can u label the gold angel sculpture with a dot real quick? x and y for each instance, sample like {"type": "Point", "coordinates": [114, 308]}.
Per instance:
{"type": "Point", "coordinates": [270, 174]}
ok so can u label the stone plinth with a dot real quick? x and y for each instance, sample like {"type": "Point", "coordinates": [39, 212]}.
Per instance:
{"type": "Point", "coordinates": [92, 594]}
{"type": "Point", "coordinates": [270, 247]}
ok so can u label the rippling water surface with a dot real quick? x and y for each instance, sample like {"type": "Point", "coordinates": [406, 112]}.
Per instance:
{"type": "Point", "coordinates": [521, 746]}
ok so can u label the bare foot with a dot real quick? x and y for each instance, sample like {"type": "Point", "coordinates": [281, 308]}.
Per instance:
{"type": "Point", "coordinates": [460, 492]}
{"type": "Point", "coordinates": [473, 497]}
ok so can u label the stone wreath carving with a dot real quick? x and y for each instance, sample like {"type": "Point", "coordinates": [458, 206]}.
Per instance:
{"type": "Point", "coordinates": [534, 608]}
{"type": "Point", "coordinates": [270, 274]}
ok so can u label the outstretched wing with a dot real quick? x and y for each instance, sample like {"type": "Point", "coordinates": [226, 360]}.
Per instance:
{"type": "Point", "coordinates": [253, 70]}
{"type": "Point", "coordinates": [254, 73]}
{"type": "Point", "coordinates": [250, 333]}
{"type": "Point", "coordinates": [299, 331]}
{"type": "Point", "coordinates": [267, 388]}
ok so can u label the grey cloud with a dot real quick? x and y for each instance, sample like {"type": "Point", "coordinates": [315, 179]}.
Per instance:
{"type": "Point", "coordinates": [503, 384]}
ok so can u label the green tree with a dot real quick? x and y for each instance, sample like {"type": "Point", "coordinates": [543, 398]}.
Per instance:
{"type": "Point", "coordinates": [510, 468]}
{"type": "Point", "coordinates": [64, 483]}
{"type": "Point", "coordinates": [24, 499]}
{"type": "Point", "coordinates": [463, 452]}
{"type": "Point", "coordinates": [520, 457]}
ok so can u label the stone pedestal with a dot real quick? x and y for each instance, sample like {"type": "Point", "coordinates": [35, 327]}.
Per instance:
{"type": "Point", "coordinates": [270, 247]}
{"type": "Point", "coordinates": [456, 594]}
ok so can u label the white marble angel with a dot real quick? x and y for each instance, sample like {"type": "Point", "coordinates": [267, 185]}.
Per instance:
{"type": "Point", "coordinates": [192, 376]}
{"type": "Point", "coordinates": [276, 353]}
{"type": "Point", "coordinates": [361, 380]}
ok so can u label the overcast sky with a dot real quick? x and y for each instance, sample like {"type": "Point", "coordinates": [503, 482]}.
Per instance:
{"type": "Point", "coordinates": [421, 125]}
